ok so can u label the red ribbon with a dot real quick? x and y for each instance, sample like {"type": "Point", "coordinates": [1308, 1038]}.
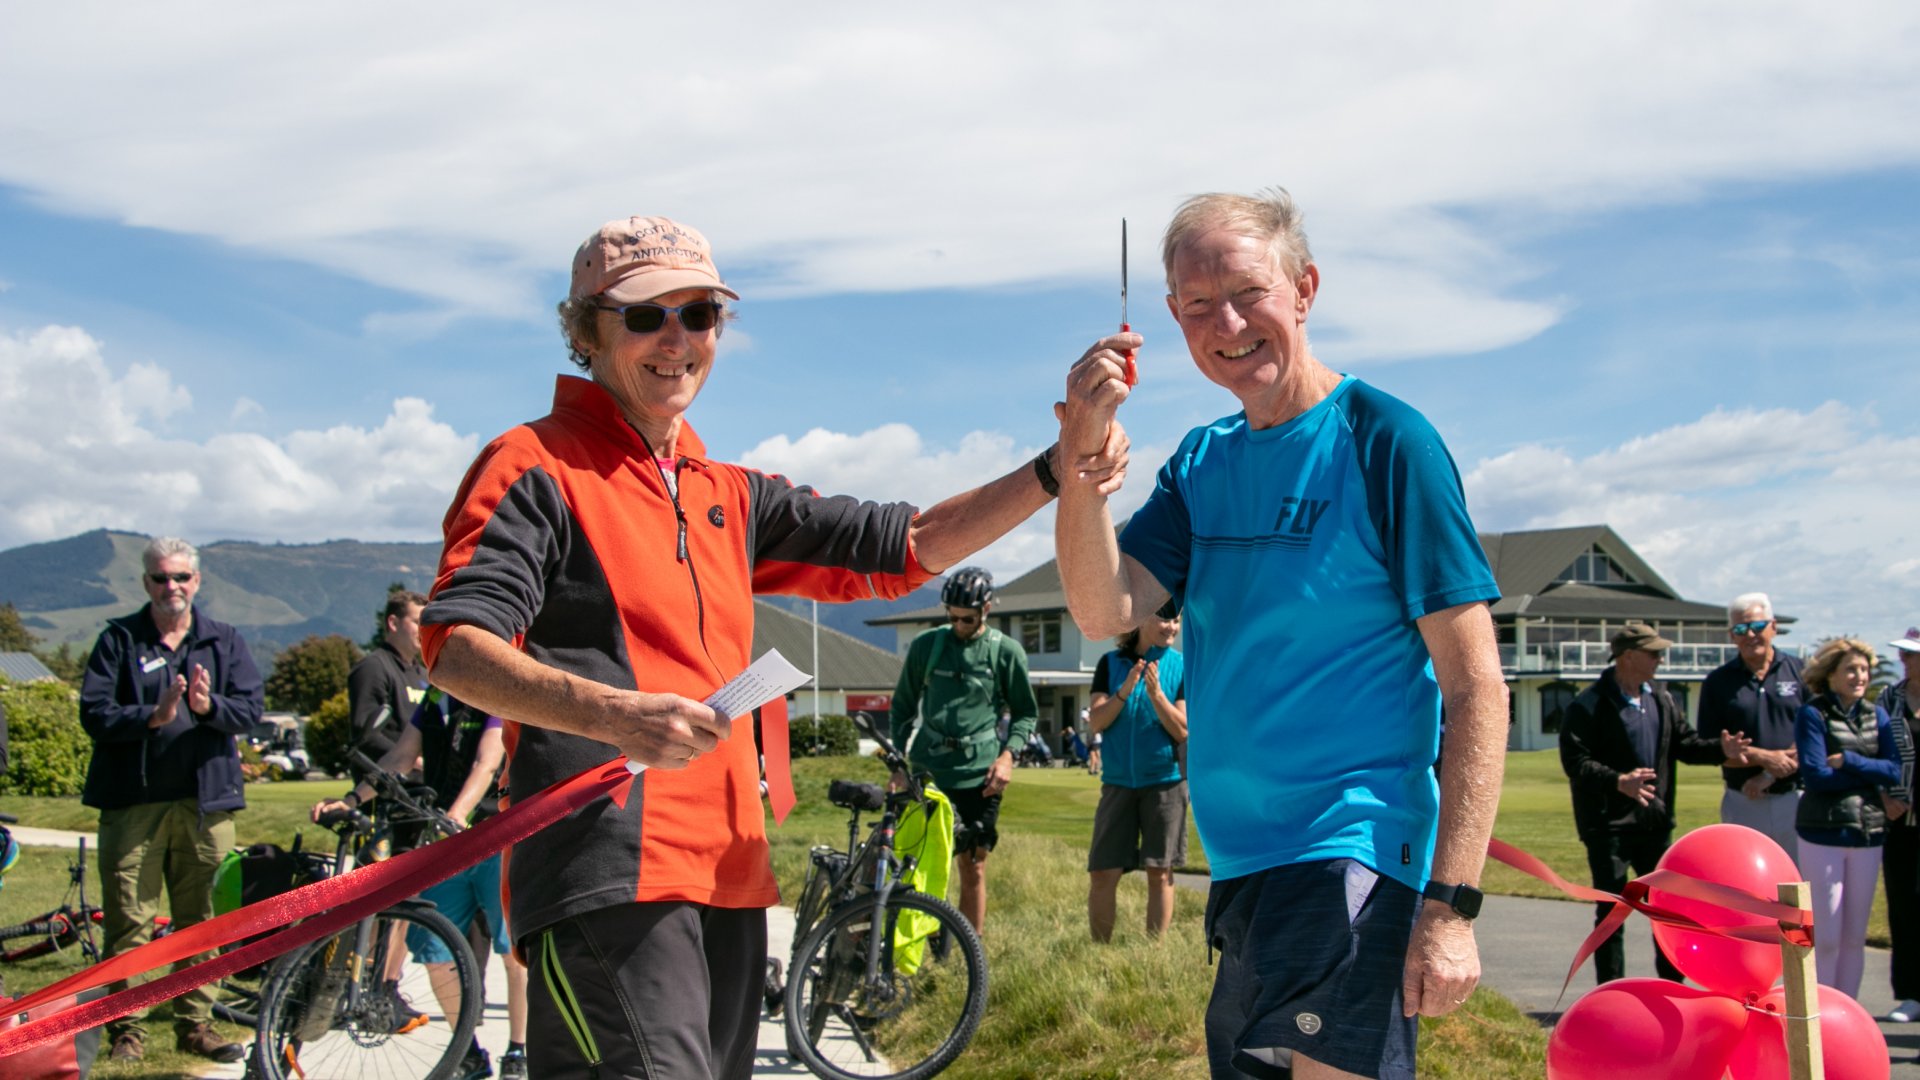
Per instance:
{"type": "Point", "coordinates": [1794, 925]}
{"type": "Point", "coordinates": [326, 906]}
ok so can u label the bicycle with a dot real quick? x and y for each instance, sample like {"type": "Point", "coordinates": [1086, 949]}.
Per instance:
{"type": "Point", "coordinates": [325, 1010]}
{"type": "Point", "coordinates": [72, 923]}
{"type": "Point", "coordinates": [885, 981]}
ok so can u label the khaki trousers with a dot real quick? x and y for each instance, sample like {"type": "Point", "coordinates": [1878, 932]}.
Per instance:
{"type": "Point", "coordinates": [143, 849]}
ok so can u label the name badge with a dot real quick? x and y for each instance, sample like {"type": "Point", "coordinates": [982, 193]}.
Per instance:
{"type": "Point", "coordinates": [153, 664]}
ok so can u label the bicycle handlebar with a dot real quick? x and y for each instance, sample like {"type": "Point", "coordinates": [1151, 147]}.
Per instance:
{"type": "Point", "coordinates": [415, 800]}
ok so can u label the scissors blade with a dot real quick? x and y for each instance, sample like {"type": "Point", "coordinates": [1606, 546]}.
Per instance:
{"type": "Point", "coordinates": [1123, 272]}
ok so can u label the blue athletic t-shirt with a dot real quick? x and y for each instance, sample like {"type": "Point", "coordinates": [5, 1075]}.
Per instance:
{"type": "Point", "coordinates": [1137, 751]}
{"type": "Point", "coordinates": [1301, 555]}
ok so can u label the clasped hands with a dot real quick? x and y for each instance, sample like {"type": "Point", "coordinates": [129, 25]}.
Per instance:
{"type": "Point", "coordinates": [198, 694]}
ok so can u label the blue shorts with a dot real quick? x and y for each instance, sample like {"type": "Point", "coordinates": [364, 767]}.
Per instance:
{"type": "Point", "coordinates": [473, 891]}
{"type": "Point", "coordinates": [1311, 957]}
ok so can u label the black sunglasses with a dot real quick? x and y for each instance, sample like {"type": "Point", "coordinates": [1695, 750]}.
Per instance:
{"type": "Point", "coordinates": [1742, 629]}
{"type": "Point", "coordinates": [162, 579]}
{"type": "Point", "coordinates": [964, 620]}
{"type": "Point", "coordinates": [697, 317]}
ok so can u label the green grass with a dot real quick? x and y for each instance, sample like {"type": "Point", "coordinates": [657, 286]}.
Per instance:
{"type": "Point", "coordinates": [38, 883]}
{"type": "Point", "coordinates": [1061, 1006]}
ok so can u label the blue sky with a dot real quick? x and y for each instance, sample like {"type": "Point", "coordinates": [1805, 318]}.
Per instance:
{"type": "Point", "coordinates": [270, 275]}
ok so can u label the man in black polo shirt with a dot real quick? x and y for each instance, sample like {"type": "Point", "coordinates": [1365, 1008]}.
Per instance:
{"type": "Point", "coordinates": [1756, 694]}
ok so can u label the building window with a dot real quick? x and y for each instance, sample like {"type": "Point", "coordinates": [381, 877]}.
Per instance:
{"type": "Point", "coordinates": [1554, 699]}
{"type": "Point", "coordinates": [1595, 567]}
{"type": "Point", "coordinates": [1040, 633]}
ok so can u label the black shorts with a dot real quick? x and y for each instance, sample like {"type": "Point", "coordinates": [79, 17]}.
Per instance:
{"type": "Point", "coordinates": [976, 819]}
{"type": "Point", "coordinates": [662, 988]}
{"type": "Point", "coordinates": [1311, 958]}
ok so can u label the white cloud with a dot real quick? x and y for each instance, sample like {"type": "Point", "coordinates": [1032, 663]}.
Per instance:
{"type": "Point", "coordinates": [245, 408]}
{"type": "Point", "coordinates": [1814, 506]}
{"type": "Point", "coordinates": [82, 446]}
{"type": "Point", "coordinates": [459, 153]}
{"type": "Point", "coordinates": [893, 463]}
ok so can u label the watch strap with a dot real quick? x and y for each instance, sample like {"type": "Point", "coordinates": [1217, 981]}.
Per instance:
{"type": "Point", "coordinates": [1463, 899]}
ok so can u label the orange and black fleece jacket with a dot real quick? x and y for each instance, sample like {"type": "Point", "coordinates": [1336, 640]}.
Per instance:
{"type": "Point", "coordinates": [566, 541]}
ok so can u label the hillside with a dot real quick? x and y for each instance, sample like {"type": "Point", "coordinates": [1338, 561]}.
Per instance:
{"type": "Point", "coordinates": [277, 594]}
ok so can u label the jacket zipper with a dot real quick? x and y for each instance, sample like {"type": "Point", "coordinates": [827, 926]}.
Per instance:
{"type": "Point", "coordinates": [680, 516]}
{"type": "Point", "coordinates": [680, 550]}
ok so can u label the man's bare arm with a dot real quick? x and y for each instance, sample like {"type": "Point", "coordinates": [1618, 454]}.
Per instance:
{"type": "Point", "coordinates": [1107, 592]}
{"type": "Point", "coordinates": [1443, 961]}
{"type": "Point", "coordinates": [663, 731]}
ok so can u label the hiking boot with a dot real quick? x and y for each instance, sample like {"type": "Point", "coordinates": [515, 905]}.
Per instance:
{"type": "Point", "coordinates": [128, 1046]}
{"type": "Point", "coordinates": [513, 1065]}
{"type": "Point", "coordinates": [405, 1017]}
{"type": "Point", "coordinates": [475, 1066]}
{"type": "Point", "coordinates": [203, 1040]}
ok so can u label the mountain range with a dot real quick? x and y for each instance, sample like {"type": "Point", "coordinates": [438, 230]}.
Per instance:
{"type": "Point", "coordinates": [277, 594]}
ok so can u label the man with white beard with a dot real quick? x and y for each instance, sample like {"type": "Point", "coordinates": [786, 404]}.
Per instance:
{"type": "Point", "coordinates": [166, 693]}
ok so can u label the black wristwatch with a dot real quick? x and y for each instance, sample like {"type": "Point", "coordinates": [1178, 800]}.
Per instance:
{"type": "Point", "coordinates": [1464, 899]}
{"type": "Point", "coordinates": [1043, 471]}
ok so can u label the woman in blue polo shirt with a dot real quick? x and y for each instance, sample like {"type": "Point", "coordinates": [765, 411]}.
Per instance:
{"type": "Point", "coordinates": [1139, 703]}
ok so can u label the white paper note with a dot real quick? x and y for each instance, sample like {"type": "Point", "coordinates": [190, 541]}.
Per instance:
{"type": "Point", "coordinates": [767, 678]}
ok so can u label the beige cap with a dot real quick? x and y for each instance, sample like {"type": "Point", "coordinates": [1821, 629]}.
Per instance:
{"type": "Point", "coordinates": [1638, 635]}
{"type": "Point", "coordinates": [631, 260]}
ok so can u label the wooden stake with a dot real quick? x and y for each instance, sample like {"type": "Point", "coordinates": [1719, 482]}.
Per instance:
{"type": "Point", "coordinates": [1804, 1058]}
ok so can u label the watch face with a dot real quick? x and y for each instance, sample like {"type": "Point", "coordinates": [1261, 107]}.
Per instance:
{"type": "Point", "coordinates": [1466, 901]}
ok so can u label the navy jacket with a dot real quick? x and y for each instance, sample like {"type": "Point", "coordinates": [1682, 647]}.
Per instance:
{"type": "Point", "coordinates": [195, 756]}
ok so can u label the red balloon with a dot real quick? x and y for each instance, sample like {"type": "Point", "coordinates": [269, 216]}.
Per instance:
{"type": "Point", "coordinates": [1742, 858]}
{"type": "Point", "coordinates": [1649, 1029]}
{"type": "Point", "coordinates": [1850, 1042]}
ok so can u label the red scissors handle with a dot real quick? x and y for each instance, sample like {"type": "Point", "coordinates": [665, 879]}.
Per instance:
{"type": "Point", "coordinates": [1133, 373]}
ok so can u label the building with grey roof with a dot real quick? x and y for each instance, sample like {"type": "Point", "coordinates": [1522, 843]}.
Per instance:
{"type": "Point", "coordinates": [21, 667]}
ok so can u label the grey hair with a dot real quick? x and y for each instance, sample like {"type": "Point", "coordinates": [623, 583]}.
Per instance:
{"type": "Point", "coordinates": [580, 324]}
{"type": "Point", "coordinates": [1269, 215]}
{"type": "Point", "coordinates": [167, 547]}
{"type": "Point", "coordinates": [1738, 606]}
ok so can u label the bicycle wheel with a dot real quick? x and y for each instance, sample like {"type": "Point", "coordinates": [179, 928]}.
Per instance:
{"type": "Point", "coordinates": [327, 1014]}
{"type": "Point", "coordinates": [909, 1021]}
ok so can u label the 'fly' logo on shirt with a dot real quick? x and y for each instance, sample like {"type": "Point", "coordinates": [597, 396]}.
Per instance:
{"type": "Point", "coordinates": [1297, 519]}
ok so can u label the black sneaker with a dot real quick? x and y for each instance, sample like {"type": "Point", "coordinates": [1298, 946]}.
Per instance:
{"type": "Point", "coordinates": [404, 1016]}
{"type": "Point", "coordinates": [513, 1065]}
{"type": "Point", "coordinates": [475, 1066]}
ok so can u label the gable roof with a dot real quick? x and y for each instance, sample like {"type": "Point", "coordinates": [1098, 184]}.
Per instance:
{"type": "Point", "coordinates": [1527, 562]}
{"type": "Point", "coordinates": [23, 667]}
{"type": "Point", "coordinates": [1036, 590]}
{"type": "Point", "coordinates": [846, 662]}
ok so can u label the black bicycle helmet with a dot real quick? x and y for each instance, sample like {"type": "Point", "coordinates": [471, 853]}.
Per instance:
{"type": "Point", "coordinates": [969, 587]}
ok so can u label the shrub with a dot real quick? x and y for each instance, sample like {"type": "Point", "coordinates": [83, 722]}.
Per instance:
{"type": "Point", "coordinates": [831, 735]}
{"type": "Point", "coordinates": [48, 750]}
{"type": "Point", "coordinates": [330, 735]}
{"type": "Point", "coordinates": [310, 671]}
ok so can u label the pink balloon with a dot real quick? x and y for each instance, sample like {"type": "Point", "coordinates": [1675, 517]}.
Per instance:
{"type": "Point", "coordinates": [1649, 1029]}
{"type": "Point", "coordinates": [1850, 1042]}
{"type": "Point", "coordinates": [1742, 858]}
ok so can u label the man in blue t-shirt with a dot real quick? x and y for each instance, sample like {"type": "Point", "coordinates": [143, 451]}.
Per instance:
{"type": "Point", "coordinates": [1335, 593]}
